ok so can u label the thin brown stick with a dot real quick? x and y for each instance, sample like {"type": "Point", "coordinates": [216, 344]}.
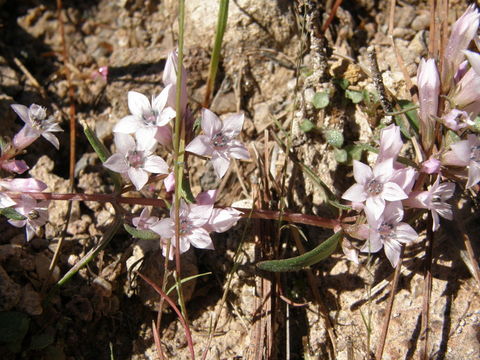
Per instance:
{"type": "Point", "coordinates": [156, 338]}
{"type": "Point", "coordinates": [391, 16]}
{"type": "Point", "coordinates": [71, 94]}
{"type": "Point", "coordinates": [472, 258]}
{"type": "Point", "coordinates": [427, 289]}
{"type": "Point", "coordinates": [247, 213]}
{"type": "Point", "coordinates": [388, 312]}
{"type": "Point", "coordinates": [333, 12]}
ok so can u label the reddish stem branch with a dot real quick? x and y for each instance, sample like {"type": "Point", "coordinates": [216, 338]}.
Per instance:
{"type": "Point", "coordinates": [247, 213]}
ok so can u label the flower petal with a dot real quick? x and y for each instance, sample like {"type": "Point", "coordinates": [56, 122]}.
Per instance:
{"type": "Point", "coordinates": [22, 111]}
{"type": "Point", "coordinates": [233, 124]}
{"type": "Point", "coordinates": [165, 228]}
{"type": "Point", "coordinates": [116, 163]}
{"type": "Point", "coordinates": [355, 193]}
{"type": "Point", "coordinates": [361, 172]}
{"type": "Point", "coordinates": [211, 124]}
{"type": "Point", "coordinates": [155, 164]}
{"type": "Point", "coordinates": [392, 250]}
{"type": "Point", "coordinates": [200, 146]}
{"type": "Point", "coordinates": [138, 177]}
{"type": "Point", "coordinates": [393, 192]}
{"type": "Point", "coordinates": [200, 238]}
{"type": "Point", "coordinates": [138, 103]}
{"type": "Point", "coordinates": [128, 125]}
{"type": "Point", "coordinates": [220, 164]}
{"type": "Point", "coordinates": [52, 139]}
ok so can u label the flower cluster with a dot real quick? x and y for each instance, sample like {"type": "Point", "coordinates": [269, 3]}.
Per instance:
{"type": "Point", "coordinates": [31, 214]}
{"type": "Point", "coordinates": [137, 137]}
{"type": "Point", "coordinates": [449, 103]}
{"type": "Point", "coordinates": [383, 191]}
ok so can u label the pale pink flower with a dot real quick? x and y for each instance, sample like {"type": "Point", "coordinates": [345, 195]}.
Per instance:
{"type": "Point", "coordinates": [146, 117]}
{"type": "Point", "coordinates": [36, 215]}
{"type": "Point", "coordinates": [15, 166]}
{"type": "Point", "coordinates": [221, 220]}
{"type": "Point", "coordinates": [136, 159]}
{"type": "Point", "coordinates": [192, 219]}
{"type": "Point", "coordinates": [466, 95]}
{"type": "Point", "coordinates": [457, 119]}
{"type": "Point", "coordinates": [5, 200]}
{"type": "Point", "coordinates": [463, 31]}
{"type": "Point", "coordinates": [389, 232]}
{"type": "Point", "coordinates": [434, 200]}
{"type": "Point", "coordinates": [350, 251]}
{"type": "Point", "coordinates": [390, 143]}
{"type": "Point", "coordinates": [36, 124]}
{"type": "Point", "coordinates": [169, 183]}
{"type": "Point", "coordinates": [170, 78]}
{"type": "Point", "coordinates": [21, 186]}
{"type": "Point", "coordinates": [219, 141]}
{"type": "Point", "coordinates": [145, 220]}
{"type": "Point", "coordinates": [428, 83]}
{"type": "Point", "coordinates": [474, 60]}
{"type": "Point", "coordinates": [466, 153]}
{"type": "Point", "coordinates": [431, 166]}
{"type": "Point", "coordinates": [405, 178]}
{"type": "Point", "coordinates": [374, 186]}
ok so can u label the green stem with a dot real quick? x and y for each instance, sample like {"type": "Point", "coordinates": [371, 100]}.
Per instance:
{"type": "Point", "coordinates": [179, 150]}
{"type": "Point", "coordinates": [212, 72]}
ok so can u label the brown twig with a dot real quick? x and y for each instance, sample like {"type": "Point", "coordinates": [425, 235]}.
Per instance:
{"type": "Point", "coordinates": [427, 289]}
{"type": "Point", "coordinates": [388, 310]}
{"type": "Point", "coordinates": [378, 81]}
{"type": "Point", "coordinates": [471, 256]}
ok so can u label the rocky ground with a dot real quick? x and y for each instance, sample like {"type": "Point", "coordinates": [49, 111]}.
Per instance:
{"type": "Point", "coordinates": [105, 312]}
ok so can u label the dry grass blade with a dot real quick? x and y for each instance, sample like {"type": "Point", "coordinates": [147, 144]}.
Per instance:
{"type": "Point", "coordinates": [388, 312]}
{"type": "Point", "coordinates": [177, 311]}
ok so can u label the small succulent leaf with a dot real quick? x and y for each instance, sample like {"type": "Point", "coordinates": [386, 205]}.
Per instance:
{"type": "Point", "coordinates": [320, 100]}
{"type": "Point", "coordinates": [355, 96]}
{"type": "Point", "coordinates": [307, 126]}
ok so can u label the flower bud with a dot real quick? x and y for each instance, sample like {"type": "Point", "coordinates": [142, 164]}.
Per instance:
{"type": "Point", "coordinates": [428, 83]}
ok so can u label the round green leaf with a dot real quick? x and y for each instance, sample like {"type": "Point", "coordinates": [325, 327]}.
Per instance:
{"type": "Point", "coordinates": [320, 100]}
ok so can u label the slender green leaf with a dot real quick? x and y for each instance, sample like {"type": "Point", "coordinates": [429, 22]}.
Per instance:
{"type": "Point", "coordinates": [221, 26]}
{"type": "Point", "coordinates": [141, 234]}
{"type": "Point", "coordinates": [12, 214]}
{"type": "Point", "coordinates": [314, 256]}
{"type": "Point", "coordinates": [186, 280]}
{"type": "Point", "coordinates": [102, 152]}
{"type": "Point", "coordinates": [105, 240]}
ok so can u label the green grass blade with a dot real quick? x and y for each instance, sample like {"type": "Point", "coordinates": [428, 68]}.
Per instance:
{"type": "Point", "coordinates": [212, 73]}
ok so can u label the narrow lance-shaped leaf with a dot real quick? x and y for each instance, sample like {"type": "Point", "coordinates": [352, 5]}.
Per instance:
{"type": "Point", "coordinates": [314, 256]}
{"type": "Point", "coordinates": [141, 234]}
{"type": "Point", "coordinates": [102, 152]}
{"type": "Point", "coordinates": [11, 213]}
